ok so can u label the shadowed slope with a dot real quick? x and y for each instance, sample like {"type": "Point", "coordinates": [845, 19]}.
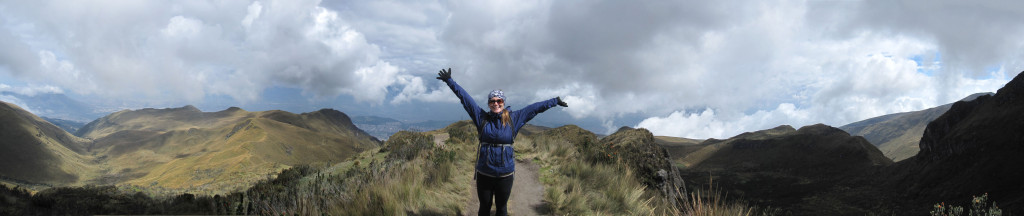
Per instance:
{"type": "Point", "coordinates": [897, 135]}
{"type": "Point", "coordinates": [34, 151]}
{"type": "Point", "coordinates": [784, 168]}
{"type": "Point", "coordinates": [974, 148]}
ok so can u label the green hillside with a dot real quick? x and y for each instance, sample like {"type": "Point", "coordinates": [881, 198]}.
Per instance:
{"type": "Point", "coordinates": [184, 149]}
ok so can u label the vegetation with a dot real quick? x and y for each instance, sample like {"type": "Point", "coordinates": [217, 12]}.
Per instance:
{"type": "Point", "coordinates": [583, 175]}
{"type": "Point", "coordinates": [374, 182]}
{"type": "Point", "coordinates": [979, 207]}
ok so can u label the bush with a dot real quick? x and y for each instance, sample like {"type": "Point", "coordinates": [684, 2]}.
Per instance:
{"type": "Point", "coordinates": [441, 168]}
{"type": "Point", "coordinates": [406, 145]}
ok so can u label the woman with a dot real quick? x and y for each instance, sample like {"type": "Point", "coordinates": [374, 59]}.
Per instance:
{"type": "Point", "coordinates": [497, 129]}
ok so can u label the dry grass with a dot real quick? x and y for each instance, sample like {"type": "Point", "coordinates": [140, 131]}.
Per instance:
{"type": "Point", "coordinates": [430, 181]}
{"type": "Point", "coordinates": [711, 201]}
{"type": "Point", "coordinates": [583, 188]}
{"type": "Point", "coordinates": [575, 185]}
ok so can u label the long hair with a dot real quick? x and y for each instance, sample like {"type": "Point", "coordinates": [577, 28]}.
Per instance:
{"type": "Point", "coordinates": [505, 118]}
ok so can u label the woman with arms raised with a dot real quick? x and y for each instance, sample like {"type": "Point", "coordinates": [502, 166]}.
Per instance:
{"type": "Point", "coordinates": [497, 129]}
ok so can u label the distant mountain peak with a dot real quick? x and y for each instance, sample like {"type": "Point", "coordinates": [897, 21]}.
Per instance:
{"type": "Point", "coordinates": [976, 95]}
{"type": "Point", "coordinates": [820, 129]}
{"type": "Point", "coordinates": [190, 108]}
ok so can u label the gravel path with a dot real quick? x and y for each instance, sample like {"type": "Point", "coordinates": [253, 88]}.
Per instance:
{"type": "Point", "coordinates": [527, 193]}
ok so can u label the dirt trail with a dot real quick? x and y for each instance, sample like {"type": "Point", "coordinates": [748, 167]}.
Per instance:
{"type": "Point", "coordinates": [527, 193]}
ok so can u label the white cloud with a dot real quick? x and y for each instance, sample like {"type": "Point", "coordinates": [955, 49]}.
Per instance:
{"type": "Point", "coordinates": [184, 51]}
{"type": "Point", "coordinates": [709, 124]}
{"type": "Point", "coordinates": [414, 88]}
{"type": "Point", "coordinates": [254, 13]}
{"type": "Point", "coordinates": [182, 27]}
{"type": "Point", "coordinates": [16, 101]}
{"type": "Point", "coordinates": [31, 90]}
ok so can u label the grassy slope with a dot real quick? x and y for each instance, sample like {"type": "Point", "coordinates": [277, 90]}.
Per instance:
{"type": "Point", "coordinates": [187, 150]}
{"type": "Point", "coordinates": [34, 151]}
{"type": "Point", "coordinates": [166, 151]}
{"type": "Point", "coordinates": [896, 135]}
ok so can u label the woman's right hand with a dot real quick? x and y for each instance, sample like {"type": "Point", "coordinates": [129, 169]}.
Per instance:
{"type": "Point", "coordinates": [444, 75]}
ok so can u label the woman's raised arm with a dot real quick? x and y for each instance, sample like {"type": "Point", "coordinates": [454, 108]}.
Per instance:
{"type": "Point", "coordinates": [474, 111]}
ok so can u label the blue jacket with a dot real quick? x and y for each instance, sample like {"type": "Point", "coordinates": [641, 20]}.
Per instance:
{"type": "Point", "coordinates": [497, 161]}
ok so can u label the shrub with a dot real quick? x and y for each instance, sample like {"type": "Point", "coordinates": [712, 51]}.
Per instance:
{"type": "Point", "coordinates": [979, 207]}
{"type": "Point", "coordinates": [406, 145]}
{"type": "Point", "coordinates": [441, 168]}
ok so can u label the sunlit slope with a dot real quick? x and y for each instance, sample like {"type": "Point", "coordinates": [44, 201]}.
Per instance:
{"type": "Point", "coordinates": [150, 119]}
{"type": "Point", "coordinates": [33, 151]}
{"type": "Point", "coordinates": [185, 148]}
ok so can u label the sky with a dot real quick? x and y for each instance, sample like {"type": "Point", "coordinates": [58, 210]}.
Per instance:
{"type": "Point", "coordinates": [695, 69]}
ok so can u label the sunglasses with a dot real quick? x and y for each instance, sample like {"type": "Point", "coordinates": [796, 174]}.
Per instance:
{"type": "Point", "coordinates": [496, 101]}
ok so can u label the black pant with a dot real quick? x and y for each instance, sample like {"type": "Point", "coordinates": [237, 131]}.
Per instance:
{"type": "Point", "coordinates": [497, 188]}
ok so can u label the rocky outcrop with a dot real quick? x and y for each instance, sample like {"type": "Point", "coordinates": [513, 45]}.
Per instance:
{"type": "Point", "coordinates": [935, 146]}
{"type": "Point", "coordinates": [976, 147]}
{"type": "Point", "coordinates": [651, 162]}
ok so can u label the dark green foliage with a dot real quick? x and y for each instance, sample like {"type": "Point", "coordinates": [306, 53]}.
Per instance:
{"type": "Point", "coordinates": [103, 200]}
{"type": "Point", "coordinates": [462, 132]}
{"type": "Point", "coordinates": [12, 200]}
{"type": "Point", "coordinates": [406, 145]}
{"type": "Point", "coordinates": [441, 167]}
{"type": "Point", "coordinates": [91, 200]}
{"type": "Point", "coordinates": [979, 207]}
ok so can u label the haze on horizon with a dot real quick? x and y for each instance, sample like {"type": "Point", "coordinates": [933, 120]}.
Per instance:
{"type": "Point", "coordinates": [695, 69]}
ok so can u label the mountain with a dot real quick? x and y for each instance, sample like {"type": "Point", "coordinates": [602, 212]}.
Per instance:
{"type": "Point", "coordinates": [811, 150]}
{"type": "Point", "coordinates": [185, 148]}
{"type": "Point", "coordinates": [795, 170]}
{"type": "Point", "coordinates": [677, 146]}
{"type": "Point", "coordinates": [33, 151]}
{"type": "Point", "coordinates": [898, 134]}
{"type": "Point", "coordinates": [976, 147]}
{"type": "Point", "coordinates": [174, 149]}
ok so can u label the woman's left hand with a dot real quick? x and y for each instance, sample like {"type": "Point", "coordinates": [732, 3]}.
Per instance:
{"type": "Point", "coordinates": [561, 103]}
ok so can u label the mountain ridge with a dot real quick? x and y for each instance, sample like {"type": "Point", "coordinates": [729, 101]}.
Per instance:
{"type": "Point", "coordinates": [184, 148]}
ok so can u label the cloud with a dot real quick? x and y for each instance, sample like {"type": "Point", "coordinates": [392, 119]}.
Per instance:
{"type": "Point", "coordinates": [833, 62]}
{"type": "Point", "coordinates": [185, 51]}
{"type": "Point", "coordinates": [708, 124]}
{"type": "Point", "coordinates": [31, 90]}
{"type": "Point", "coordinates": [16, 101]}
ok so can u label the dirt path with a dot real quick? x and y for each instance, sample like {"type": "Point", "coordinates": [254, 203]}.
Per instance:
{"type": "Point", "coordinates": [527, 193]}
